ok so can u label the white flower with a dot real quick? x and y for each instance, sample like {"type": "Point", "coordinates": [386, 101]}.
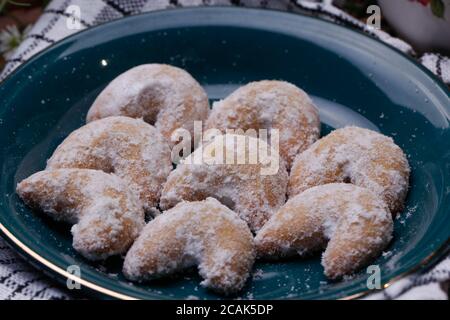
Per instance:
{"type": "Point", "coordinates": [10, 38]}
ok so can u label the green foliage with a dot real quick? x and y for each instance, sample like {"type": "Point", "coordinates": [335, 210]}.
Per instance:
{"type": "Point", "coordinates": [3, 4]}
{"type": "Point", "coordinates": [438, 8]}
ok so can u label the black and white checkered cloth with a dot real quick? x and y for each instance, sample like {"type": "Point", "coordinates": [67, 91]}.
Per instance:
{"type": "Point", "coordinates": [20, 281]}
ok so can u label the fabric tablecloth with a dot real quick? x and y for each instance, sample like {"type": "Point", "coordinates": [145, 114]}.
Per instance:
{"type": "Point", "coordinates": [18, 280]}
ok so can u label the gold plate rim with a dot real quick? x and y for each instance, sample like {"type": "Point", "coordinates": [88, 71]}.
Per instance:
{"type": "Point", "coordinates": [9, 237]}
{"type": "Point", "coordinates": [117, 295]}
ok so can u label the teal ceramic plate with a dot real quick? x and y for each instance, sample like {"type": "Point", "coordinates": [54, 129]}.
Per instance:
{"type": "Point", "coordinates": [352, 78]}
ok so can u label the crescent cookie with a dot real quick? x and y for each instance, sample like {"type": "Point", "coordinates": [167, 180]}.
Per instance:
{"type": "Point", "coordinates": [352, 223]}
{"type": "Point", "coordinates": [164, 96]}
{"type": "Point", "coordinates": [129, 148]}
{"type": "Point", "coordinates": [204, 234]}
{"type": "Point", "coordinates": [246, 188]}
{"type": "Point", "coordinates": [270, 105]}
{"type": "Point", "coordinates": [360, 156]}
{"type": "Point", "coordinates": [105, 214]}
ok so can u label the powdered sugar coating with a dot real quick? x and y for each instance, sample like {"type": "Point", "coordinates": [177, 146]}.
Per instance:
{"type": "Point", "coordinates": [241, 187]}
{"type": "Point", "coordinates": [356, 155]}
{"type": "Point", "coordinates": [353, 223]}
{"type": "Point", "coordinates": [106, 214]}
{"type": "Point", "coordinates": [270, 105]}
{"type": "Point", "coordinates": [164, 96]}
{"type": "Point", "coordinates": [204, 234]}
{"type": "Point", "coordinates": [130, 148]}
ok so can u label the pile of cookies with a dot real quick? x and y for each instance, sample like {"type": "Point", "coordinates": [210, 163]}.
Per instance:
{"type": "Point", "coordinates": [338, 193]}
